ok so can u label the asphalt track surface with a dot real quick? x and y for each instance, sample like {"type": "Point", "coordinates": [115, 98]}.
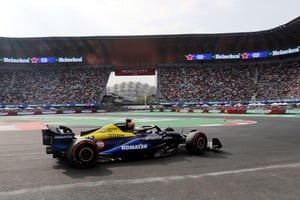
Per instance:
{"type": "Point", "coordinates": [258, 161]}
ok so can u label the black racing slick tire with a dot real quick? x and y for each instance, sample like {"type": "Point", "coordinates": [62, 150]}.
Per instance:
{"type": "Point", "coordinates": [83, 154]}
{"type": "Point", "coordinates": [196, 142]}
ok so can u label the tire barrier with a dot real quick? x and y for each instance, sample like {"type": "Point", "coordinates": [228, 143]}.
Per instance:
{"type": "Point", "coordinates": [271, 111]}
{"type": "Point", "coordinates": [205, 110]}
{"type": "Point", "coordinates": [190, 110]}
{"type": "Point", "coordinates": [37, 112]}
{"type": "Point", "coordinates": [277, 111]}
{"type": "Point", "coordinates": [77, 110]}
{"type": "Point", "coordinates": [59, 112]}
{"type": "Point", "coordinates": [222, 111]}
{"type": "Point", "coordinates": [236, 111]}
{"type": "Point", "coordinates": [12, 113]}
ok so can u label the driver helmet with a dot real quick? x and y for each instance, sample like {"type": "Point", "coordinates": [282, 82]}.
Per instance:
{"type": "Point", "coordinates": [130, 124]}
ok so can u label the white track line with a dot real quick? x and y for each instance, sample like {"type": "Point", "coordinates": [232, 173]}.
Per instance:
{"type": "Point", "coordinates": [51, 188]}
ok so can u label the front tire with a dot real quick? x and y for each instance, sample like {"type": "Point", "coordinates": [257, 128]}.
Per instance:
{"type": "Point", "coordinates": [196, 142]}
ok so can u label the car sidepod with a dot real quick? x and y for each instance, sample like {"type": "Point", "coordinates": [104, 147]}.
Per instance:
{"type": "Point", "coordinates": [132, 148]}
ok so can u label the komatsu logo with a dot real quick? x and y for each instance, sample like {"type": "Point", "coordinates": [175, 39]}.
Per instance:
{"type": "Point", "coordinates": [133, 147]}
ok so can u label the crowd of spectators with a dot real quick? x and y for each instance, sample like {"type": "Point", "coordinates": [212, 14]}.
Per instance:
{"type": "Point", "coordinates": [52, 84]}
{"type": "Point", "coordinates": [176, 82]}
{"type": "Point", "coordinates": [229, 82]}
{"type": "Point", "coordinates": [278, 81]}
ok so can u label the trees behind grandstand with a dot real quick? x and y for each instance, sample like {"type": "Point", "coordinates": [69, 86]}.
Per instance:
{"type": "Point", "coordinates": [133, 91]}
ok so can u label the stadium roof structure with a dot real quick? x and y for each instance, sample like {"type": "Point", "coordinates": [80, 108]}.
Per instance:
{"type": "Point", "coordinates": [151, 50]}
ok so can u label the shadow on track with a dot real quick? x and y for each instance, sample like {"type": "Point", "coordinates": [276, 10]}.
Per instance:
{"type": "Point", "coordinates": [103, 168]}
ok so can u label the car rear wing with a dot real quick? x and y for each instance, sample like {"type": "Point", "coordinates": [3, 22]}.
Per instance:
{"type": "Point", "coordinates": [53, 135]}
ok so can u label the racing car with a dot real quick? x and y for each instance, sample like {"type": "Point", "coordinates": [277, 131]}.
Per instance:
{"type": "Point", "coordinates": [121, 141]}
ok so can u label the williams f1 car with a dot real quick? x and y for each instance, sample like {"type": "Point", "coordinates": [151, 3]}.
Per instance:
{"type": "Point", "coordinates": [121, 141]}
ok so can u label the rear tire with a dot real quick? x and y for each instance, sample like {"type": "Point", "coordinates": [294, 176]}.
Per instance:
{"type": "Point", "coordinates": [196, 142]}
{"type": "Point", "coordinates": [83, 154]}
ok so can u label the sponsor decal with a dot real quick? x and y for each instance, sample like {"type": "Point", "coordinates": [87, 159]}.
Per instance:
{"type": "Point", "coordinates": [168, 138]}
{"type": "Point", "coordinates": [134, 72]}
{"type": "Point", "coordinates": [203, 56]}
{"type": "Point", "coordinates": [36, 60]}
{"type": "Point", "coordinates": [153, 137]}
{"type": "Point", "coordinates": [244, 55]}
{"type": "Point", "coordinates": [73, 59]}
{"type": "Point", "coordinates": [227, 56]}
{"type": "Point", "coordinates": [42, 60]}
{"type": "Point", "coordinates": [63, 137]}
{"type": "Point", "coordinates": [111, 129]}
{"type": "Point", "coordinates": [134, 147]}
{"type": "Point", "coordinates": [285, 51]}
{"type": "Point", "coordinates": [100, 145]}
{"type": "Point", "coordinates": [16, 60]}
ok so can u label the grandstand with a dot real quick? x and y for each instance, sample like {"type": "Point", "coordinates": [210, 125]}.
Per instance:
{"type": "Point", "coordinates": [197, 68]}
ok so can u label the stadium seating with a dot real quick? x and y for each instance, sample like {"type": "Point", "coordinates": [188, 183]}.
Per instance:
{"type": "Point", "coordinates": [52, 85]}
{"type": "Point", "coordinates": [229, 82]}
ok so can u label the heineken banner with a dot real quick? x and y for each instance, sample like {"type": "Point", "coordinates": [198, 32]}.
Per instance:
{"type": "Point", "coordinates": [243, 55]}
{"type": "Point", "coordinates": [41, 60]}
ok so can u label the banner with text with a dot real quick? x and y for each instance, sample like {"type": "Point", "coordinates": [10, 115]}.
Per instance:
{"type": "Point", "coordinates": [134, 72]}
{"type": "Point", "coordinates": [41, 60]}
